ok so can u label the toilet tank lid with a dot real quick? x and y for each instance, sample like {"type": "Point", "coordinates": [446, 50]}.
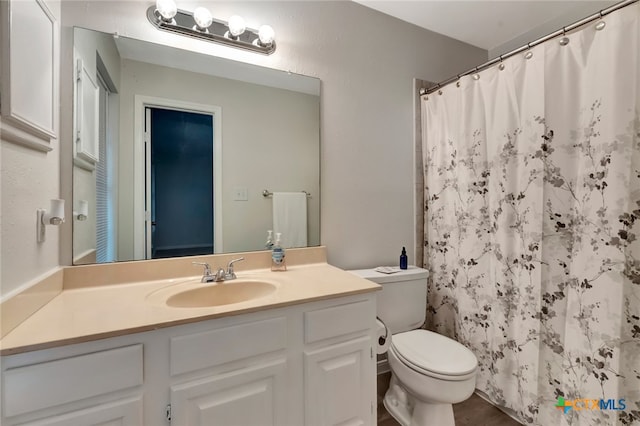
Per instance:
{"type": "Point", "coordinates": [411, 273]}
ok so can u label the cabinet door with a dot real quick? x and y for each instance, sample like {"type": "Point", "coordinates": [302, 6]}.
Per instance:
{"type": "Point", "coordinates": [29, 68]}
{"type": "Point", "coordinates": [120, 413]}
{"type": "Point", "coordinates": [254, 396]}
{"type": "Point", "coordinates": [339, 386]}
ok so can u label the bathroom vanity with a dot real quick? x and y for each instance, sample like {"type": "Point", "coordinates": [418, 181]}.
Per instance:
{"type": "Point", "coordinates": [301, 355]}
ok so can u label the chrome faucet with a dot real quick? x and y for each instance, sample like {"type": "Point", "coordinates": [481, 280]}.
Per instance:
{"type": "Point", "coordinates": [207, 276]}
{"type": "Point", "coordinates": [230, 275]}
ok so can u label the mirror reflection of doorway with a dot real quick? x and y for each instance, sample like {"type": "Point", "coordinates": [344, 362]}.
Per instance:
{"type": "Point", "coordinates": [180, 187]}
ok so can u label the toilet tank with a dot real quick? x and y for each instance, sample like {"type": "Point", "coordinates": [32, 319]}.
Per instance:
{"type": "Point", "coordinates": [402, 303]}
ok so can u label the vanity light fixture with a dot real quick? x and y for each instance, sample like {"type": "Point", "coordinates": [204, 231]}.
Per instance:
{"type": "Point", "coordinates": [236, 27]}
{"type": "Point", "coordinates": [55, 216]}
{"type": "Point", "coordinates": [265, 36]}
{"type": "Point", "coordinates": [166, 9]}
{"type": "Point", "coordinates": [202, 18]}
{"type": "Point", "coordinates": [166, 16]}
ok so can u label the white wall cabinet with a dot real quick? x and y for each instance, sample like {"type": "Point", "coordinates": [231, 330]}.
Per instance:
{"type": "Point", "coordinates": [307, 364]}
{"type": "Point", "coordinates": [30, 67]}
{"type": "Point", "coordinates": [86, 114]}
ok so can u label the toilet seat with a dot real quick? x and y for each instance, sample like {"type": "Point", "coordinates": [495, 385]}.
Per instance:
{"type": "Point", "coordinates": [434, 355]}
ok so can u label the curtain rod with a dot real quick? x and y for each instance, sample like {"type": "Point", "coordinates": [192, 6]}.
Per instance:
{"type": "Point", "coordinates": [528, 46]}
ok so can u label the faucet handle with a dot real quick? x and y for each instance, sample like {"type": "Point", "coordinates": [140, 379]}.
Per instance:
{"type": "Point", "coordinates": [230, 274]}
{"type": "Point", "coordinates": [207, 268]}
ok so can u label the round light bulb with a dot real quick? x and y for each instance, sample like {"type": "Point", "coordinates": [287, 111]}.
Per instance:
{"type": "Point", "coordinates": [203, 18]}
{"type": "Point", "coordinates": [167, 9]}
{"type": "Point", "coordinates": [236, 25]}
{"type": "Point", "coordinates": [266, 35]}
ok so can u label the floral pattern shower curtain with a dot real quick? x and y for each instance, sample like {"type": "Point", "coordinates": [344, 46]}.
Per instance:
{"type": "Point", "coordinates": [532, 225]}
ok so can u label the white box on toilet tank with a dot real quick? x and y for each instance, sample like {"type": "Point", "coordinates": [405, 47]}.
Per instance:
{"type": "Point", "coordinates": [402, 303]}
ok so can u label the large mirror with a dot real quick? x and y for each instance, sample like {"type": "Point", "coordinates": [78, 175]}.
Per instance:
{"type": "Point", "coordinates": [178, 153]}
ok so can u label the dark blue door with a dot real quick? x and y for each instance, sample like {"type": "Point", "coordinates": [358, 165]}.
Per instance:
{"type": "Point", "coordinates": [181, 183]}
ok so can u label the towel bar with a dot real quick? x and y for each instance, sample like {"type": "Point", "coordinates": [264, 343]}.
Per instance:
{"type": "Point", "coordinates": [267, 193]}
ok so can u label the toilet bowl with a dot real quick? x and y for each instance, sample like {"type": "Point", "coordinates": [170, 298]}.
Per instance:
{"type": "Point", "coordinates": [429, 372]}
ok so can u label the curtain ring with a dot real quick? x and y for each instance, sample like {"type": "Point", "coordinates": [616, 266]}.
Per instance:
{"type": "Point", "coordinates": [529, 53]}
{"type": "Point", "coordinates": [501, 66]}
{"type": "Point", "coordinates": [601, 24]}
{"type": "Point", "coordinates": [564, 40]}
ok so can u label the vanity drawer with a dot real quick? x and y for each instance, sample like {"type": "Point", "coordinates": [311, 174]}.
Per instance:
{"type": "Point", "coordinates": [215, 347]}
{"type": "Point", "coordinates": [34, 387]}
{"type": "Point", "coordinates": [338, 320]}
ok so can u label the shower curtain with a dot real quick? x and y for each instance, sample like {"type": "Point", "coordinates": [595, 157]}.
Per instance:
{"type": "Point", "coordinates": [532, 224]}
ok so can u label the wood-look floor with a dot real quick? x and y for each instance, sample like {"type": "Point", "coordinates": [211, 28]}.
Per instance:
{"type": "Point", "coordinates": [473, 412]}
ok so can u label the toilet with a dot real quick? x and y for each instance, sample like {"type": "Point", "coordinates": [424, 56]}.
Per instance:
{"type": "Point", "coordinates": [429, 372]}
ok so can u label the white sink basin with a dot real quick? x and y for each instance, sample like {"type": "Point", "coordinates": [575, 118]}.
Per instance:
{"type": "Point", "coordinates": [193, 294]}
{"type": "Point", "coordinates": [223, 293]}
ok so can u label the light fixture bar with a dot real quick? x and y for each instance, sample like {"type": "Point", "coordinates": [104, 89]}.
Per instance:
{"type": "Point", "coordinates": [183, 23]}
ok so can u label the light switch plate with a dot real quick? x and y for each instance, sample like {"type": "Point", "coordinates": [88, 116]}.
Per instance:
{"type": "Point", "coordinates": [240, 193]}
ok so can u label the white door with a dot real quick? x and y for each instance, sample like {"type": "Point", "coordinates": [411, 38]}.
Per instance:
{"type": "Point", "coordinates": [338, 384]}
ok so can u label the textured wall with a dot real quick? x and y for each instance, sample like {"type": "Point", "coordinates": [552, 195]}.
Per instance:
{"type": "Point", "coordinates": [28, 180]}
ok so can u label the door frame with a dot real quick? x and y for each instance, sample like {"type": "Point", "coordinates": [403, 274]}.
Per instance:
{"type": "Point", "coordinates": [140, 180]}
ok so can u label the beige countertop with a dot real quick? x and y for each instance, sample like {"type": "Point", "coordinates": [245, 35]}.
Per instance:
{"type": "Point", "coordinates": [82, 314]}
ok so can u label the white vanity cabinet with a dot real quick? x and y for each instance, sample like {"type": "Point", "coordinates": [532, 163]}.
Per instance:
{"type": "Point", "coordinates": [338, 358]}
{"type": "Point", "coordinates": [306, 364]}
{"type": "Point", "coordinates": [248, 396]}
{"type": "Point", "coordinates": [235, 373]}
{"type": "Point", "coordinates": [69, 387]}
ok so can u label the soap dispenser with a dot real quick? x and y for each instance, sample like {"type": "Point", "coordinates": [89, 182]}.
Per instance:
{"type": "Point", "coordinates": [269, 244]}
{"type": "Point", "coordinates": [277, 255]}
{"type": "Point", "coordinates": [403, 259]}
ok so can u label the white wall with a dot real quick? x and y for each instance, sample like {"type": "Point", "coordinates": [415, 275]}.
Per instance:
{"type": "Point", "coordinates": [579, 11]}
{"type": "Point", "coordinates": [367, 62]}
{"type": "Point", "coordinates": [256, 153]}
{"type": "Point", "coordinates": [28, 180]}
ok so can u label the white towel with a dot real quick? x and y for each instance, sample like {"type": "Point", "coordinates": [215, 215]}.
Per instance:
{"type": "Point", "coordinates": [290, 218]}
